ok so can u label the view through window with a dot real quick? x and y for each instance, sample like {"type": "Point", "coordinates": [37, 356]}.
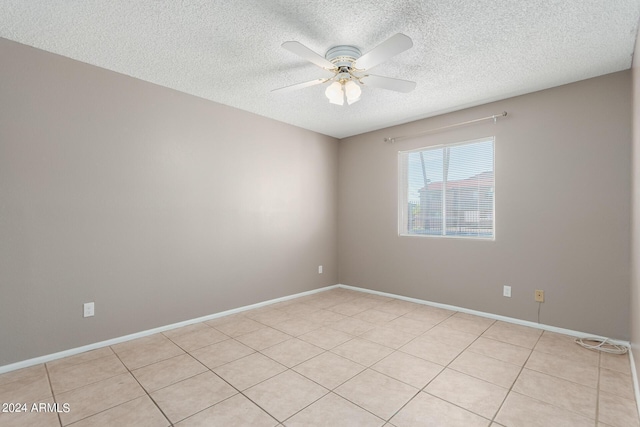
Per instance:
{"type": "Point", "coordinates": [448, 190]}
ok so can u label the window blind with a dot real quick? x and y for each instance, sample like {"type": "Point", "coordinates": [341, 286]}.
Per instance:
{"type": "Point", "coordinates": [448, 190]}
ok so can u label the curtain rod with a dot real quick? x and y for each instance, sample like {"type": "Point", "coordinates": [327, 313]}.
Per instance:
{"type": "Point", "coordinates": [495, 117]}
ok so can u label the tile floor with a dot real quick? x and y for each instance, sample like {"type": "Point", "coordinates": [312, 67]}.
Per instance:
{"type": "Point", "coordinates": [336, 358]}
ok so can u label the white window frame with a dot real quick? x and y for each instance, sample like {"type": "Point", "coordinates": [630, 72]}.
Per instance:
{"type": "Point", "coordinates": [403, 189]}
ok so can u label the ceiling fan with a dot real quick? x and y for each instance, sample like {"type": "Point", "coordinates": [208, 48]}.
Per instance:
{"type": "Point", "coordinates": [350, 69]}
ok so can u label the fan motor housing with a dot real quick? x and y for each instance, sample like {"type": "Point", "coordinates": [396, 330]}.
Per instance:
{"type": "Point", "coordinates": [343, 55]}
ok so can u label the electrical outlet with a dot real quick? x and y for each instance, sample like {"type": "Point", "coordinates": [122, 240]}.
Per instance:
{"type": "Point", "coordinates": [506, 291]}
{"type": "Point", "coordinates": [539, 295]}
{"type": "Point", "coordinates": [319, 269]}
{"type": "Point", "coordinates": [89, 309]}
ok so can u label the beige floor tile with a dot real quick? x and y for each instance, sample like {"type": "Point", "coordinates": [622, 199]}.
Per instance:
{"type": "Point", "coordinates": [351, 308]}
{"type": "Point", "coordinates": [565, 346]}
{"type": "Point", "coordinates": [408, 369]}
{"type": "Point", "coordinates": [239, 326]}
{"type": "Point", "coordinates": [486, 368]}
{"type": "Point", "coordinates": [500, 350]}
{"type": "Point", "coordinates": [427, 410]}
{"type": "Point", "coordinates": [449, 336]}
{"type": "Point", "coordinates": [139, 412]}
{"type": "Point", "coordinates": [184, 330]}
{"type": "Point", "coordinates": [263, 338]}
{"type": "Point", "coordinates": [24, 375]}
{"type": "Point", "coordinates": [299, 309]}
{"type": "Point", "coordinates": [616, 362]}
{"type": "Point", "coordinates": [475, 395]}
{"type": "Point", "coordinates": [329, 370]}
{"type": "Point", "coordinates": [333, 410]}
{"type": "Point", "coordinates": [97, 397]}
{"type": "Point", "coordinates": [522, 411]}
{"type": "Point", "coordinates": [326, 338]}
{"type": "Point", "coordinates": [325, 317]}
{"type": "Point", "coordinates": [249, 371]}
{"type": "Point", "coordinates": [362, 351]}
{"type": "Point", "coordinates": [80, 358]}
{"type": "Point", "coordinates": [433, 351]}
{"type": "Point", "coordinates": [410, 326]}
{"type": "Point", "coordinates": [388, 337]}
{"type": "Point", "coordinates": [285, 394]}
{"type": "Point", "coordinates": [183, 399]}
{"type": "Point", "coordinates": [268, 316]}
{"type": "Point", "coordinates": [282, 304]}
{"type": "Point", "coordinates": [68, 377]}
{"type": "Point", "coordinates": [398, 307]}
{"type": "Point", "coordinates": [352, 326]}
{"type": "Point", "coordinates": [617, 383]}
{"type": "Point", "coordinates": [428, 314]}
{"type": "Point", "coordinates": [340, 332]}
{"type": "Point", "coordinates": [297, 326]}
{"type": "Point", "coordinates": [376, 316]}
{"type": "Point", "coordinates": [28, 418]}
{"type": "Point", "coordinates": [195, 338]}
{"type": "Point", "coordinates": [145, 351]}
{"type": "Point", "coordinates": [159, 375]}
{"type": "Point", "coordinates": [564, 368]}
{"type": "Point", "coordinates": [322, 302]}
{"type": "Point", "coordinates": [468, 323]}
{"type": "Point", "coordinates": [377, 393]}
{"type": "Point", "coordinates": [236, 411]}
{"type": "Point", "coordinates": [220, 353]}
{"type": "Point", "coordinates": [26, 385]}
{"type": "Point", "coordinates": [292, 352]}
{"type": "Point", "coordinates": [617, 411]}
{"type": "Point", "coordinates": [558, 392]}
{"type": "Point", "coordinates": [522, 336]}
{"type": "Point", "coordinates": [376, 297]}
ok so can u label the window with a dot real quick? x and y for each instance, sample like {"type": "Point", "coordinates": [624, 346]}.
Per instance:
{"type": "Point", "coordinates": [448, 190]}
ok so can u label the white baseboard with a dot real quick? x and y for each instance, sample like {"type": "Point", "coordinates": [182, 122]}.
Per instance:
{"type": "Point", "coordinates": [77, 350]}
{"type": "Point", "coordinates": [634, 376]}
{"type": "Point", "coordinates": [536, 325]}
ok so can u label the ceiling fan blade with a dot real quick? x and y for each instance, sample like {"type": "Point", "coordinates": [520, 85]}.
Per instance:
{"type": "Point", "coordinates": [306, 53]}
{"type": "Point", "coordinates": [300, 85]}
{"type": "Point", "coordinates": [385, 50]}
{"type": "Point", "coordinates": [388, 83]}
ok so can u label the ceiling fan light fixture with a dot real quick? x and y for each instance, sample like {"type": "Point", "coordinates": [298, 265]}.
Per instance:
{"type": "Point", "coordinates": [349, 67]}
{"type": "Point", "coordinates": [339, 100]}
{"type": "Point", "coordinates": [353, 92]}
{"type": "Point", "coordinates": [335, 94]}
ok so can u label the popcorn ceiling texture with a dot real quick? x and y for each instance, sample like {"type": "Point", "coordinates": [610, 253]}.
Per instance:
{"type": "Point", "coordinates": [465, 52]}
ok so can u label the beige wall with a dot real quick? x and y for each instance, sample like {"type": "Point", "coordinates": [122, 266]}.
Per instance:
{"type": "Point", "coordinates": [157, 205]}
{"type": "Point", "coordinates": [562, 211]}
{"type": "Point", "coordinates": [635, 218]}
{"type": "Point", "coordinates": [162, 207]}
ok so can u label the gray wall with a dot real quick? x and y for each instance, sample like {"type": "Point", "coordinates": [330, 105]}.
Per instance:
{"type": "Point", "coordinates": [562, 211]}
{"type": "Point", "coordinates": [158, 206]}
{"type": "Point", "coordinates": [635, 219]}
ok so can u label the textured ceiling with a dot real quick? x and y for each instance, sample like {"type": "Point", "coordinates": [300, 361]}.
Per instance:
{"type": "Point", "coordinates": [465, 53]}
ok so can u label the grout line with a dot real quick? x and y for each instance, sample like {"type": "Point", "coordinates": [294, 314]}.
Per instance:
{"type": "Point", "coordinates": [493, 419]}
{"type": "Point", "coordinates": [598, 390]}
{"type": "Point", "coordinates": [505, 319]}
{"type": "Point", "coordinates": [143, 389]}
{"type": "Point", "coordinates": [332, 391]}
{"type": "Point", "coordinates": [52, 393]}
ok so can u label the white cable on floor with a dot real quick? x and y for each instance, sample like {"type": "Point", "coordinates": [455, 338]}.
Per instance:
{"type": "Point", "coordinates": [604, 345]}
